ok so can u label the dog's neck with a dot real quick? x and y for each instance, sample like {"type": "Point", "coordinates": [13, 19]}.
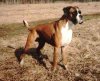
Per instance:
{"type": "Point", "coordinates": [69, 24]}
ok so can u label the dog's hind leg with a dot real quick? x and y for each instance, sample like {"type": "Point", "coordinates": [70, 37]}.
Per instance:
{"type": "Point", "coordinates": [40, 46]}
{"type": "Point", "coordinates": [40, 57]}
{"type": "Point", "coordinates": [30, 39]}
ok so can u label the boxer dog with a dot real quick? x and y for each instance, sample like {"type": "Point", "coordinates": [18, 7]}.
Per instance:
{"type": "Point", "coordinates": [58, 34]}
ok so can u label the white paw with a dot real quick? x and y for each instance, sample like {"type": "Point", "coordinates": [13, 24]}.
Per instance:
{"type": "Point", "coordinates": [66, 67]}
{"type": "Point", "coordinates": [22, 62]}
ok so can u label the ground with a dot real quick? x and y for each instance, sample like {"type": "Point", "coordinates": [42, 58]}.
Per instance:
{"type": "Point", "coordinates": [83, 54]}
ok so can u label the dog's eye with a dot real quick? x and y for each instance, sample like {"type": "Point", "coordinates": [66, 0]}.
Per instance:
{"type": "Point", "coordinates": [79, 12]}
{"type": "Point", "coordinates": [74, 13]}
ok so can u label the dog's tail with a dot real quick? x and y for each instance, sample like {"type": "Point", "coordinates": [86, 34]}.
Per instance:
{"type": "Point", "coordinates": [26, 23]}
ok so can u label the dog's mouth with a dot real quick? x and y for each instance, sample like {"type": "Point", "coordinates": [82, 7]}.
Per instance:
{"type": "Point", "coordinates": [80, 21]}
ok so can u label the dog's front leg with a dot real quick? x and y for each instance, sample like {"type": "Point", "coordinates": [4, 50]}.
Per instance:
{"type": "Point", "coordinates": [64, 59]}
{"type": "Point", "coordinates": [55, 57]}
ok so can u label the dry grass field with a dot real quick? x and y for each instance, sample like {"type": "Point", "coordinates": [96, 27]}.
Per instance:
{"type": "Point", "coordinates": [83, 53]}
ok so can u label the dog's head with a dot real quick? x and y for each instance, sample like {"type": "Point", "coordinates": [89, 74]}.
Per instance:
{"type": "Point", "coordinates": [73, 14]}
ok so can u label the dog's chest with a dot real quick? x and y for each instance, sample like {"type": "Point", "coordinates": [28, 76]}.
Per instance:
{"type": "Point", "coordinates": [66, 33]}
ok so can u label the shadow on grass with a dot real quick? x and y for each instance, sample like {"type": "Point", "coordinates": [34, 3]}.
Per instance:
{"type": "Point", "coordinates": [39, 57]}
{"type": "Point", "coordinates": [1, 80]}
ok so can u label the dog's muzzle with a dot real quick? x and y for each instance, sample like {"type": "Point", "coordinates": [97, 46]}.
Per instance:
{"type": "Point", "coordinates": [81, 19]}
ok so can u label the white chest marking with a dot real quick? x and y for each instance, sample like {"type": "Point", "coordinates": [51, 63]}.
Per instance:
{"type": "Point", "coordinates": [66, 32]}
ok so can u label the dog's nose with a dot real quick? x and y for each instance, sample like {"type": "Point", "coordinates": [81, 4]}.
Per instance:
{"type": "Point", "coordinates": [81, 17]}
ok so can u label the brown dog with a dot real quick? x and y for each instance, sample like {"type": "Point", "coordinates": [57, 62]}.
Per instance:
{"type": "Point", "coordinates": [58, 33]}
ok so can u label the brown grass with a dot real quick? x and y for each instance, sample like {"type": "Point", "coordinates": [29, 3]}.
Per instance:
{"type": "Point", "coordinates": [83, 54]}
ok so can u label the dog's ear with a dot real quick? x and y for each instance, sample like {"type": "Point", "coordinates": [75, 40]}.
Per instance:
{"type": "Point", "coordinates": [66, 10]}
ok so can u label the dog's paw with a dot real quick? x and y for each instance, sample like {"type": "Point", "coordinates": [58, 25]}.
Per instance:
{"type": "Point", "coordinates": [22, 62]}
{"type": "Point", "coordinates": [53, 69]}
{"type": "Point", "coordinates": [65, 67]}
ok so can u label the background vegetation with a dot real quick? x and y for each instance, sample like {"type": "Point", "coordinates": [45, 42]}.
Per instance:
{"type": "Point", "coordinates": [38, 1]}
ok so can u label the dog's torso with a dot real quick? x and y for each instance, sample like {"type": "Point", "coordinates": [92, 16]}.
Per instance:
{"type": "Point", "coordinates": [58, 33]}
